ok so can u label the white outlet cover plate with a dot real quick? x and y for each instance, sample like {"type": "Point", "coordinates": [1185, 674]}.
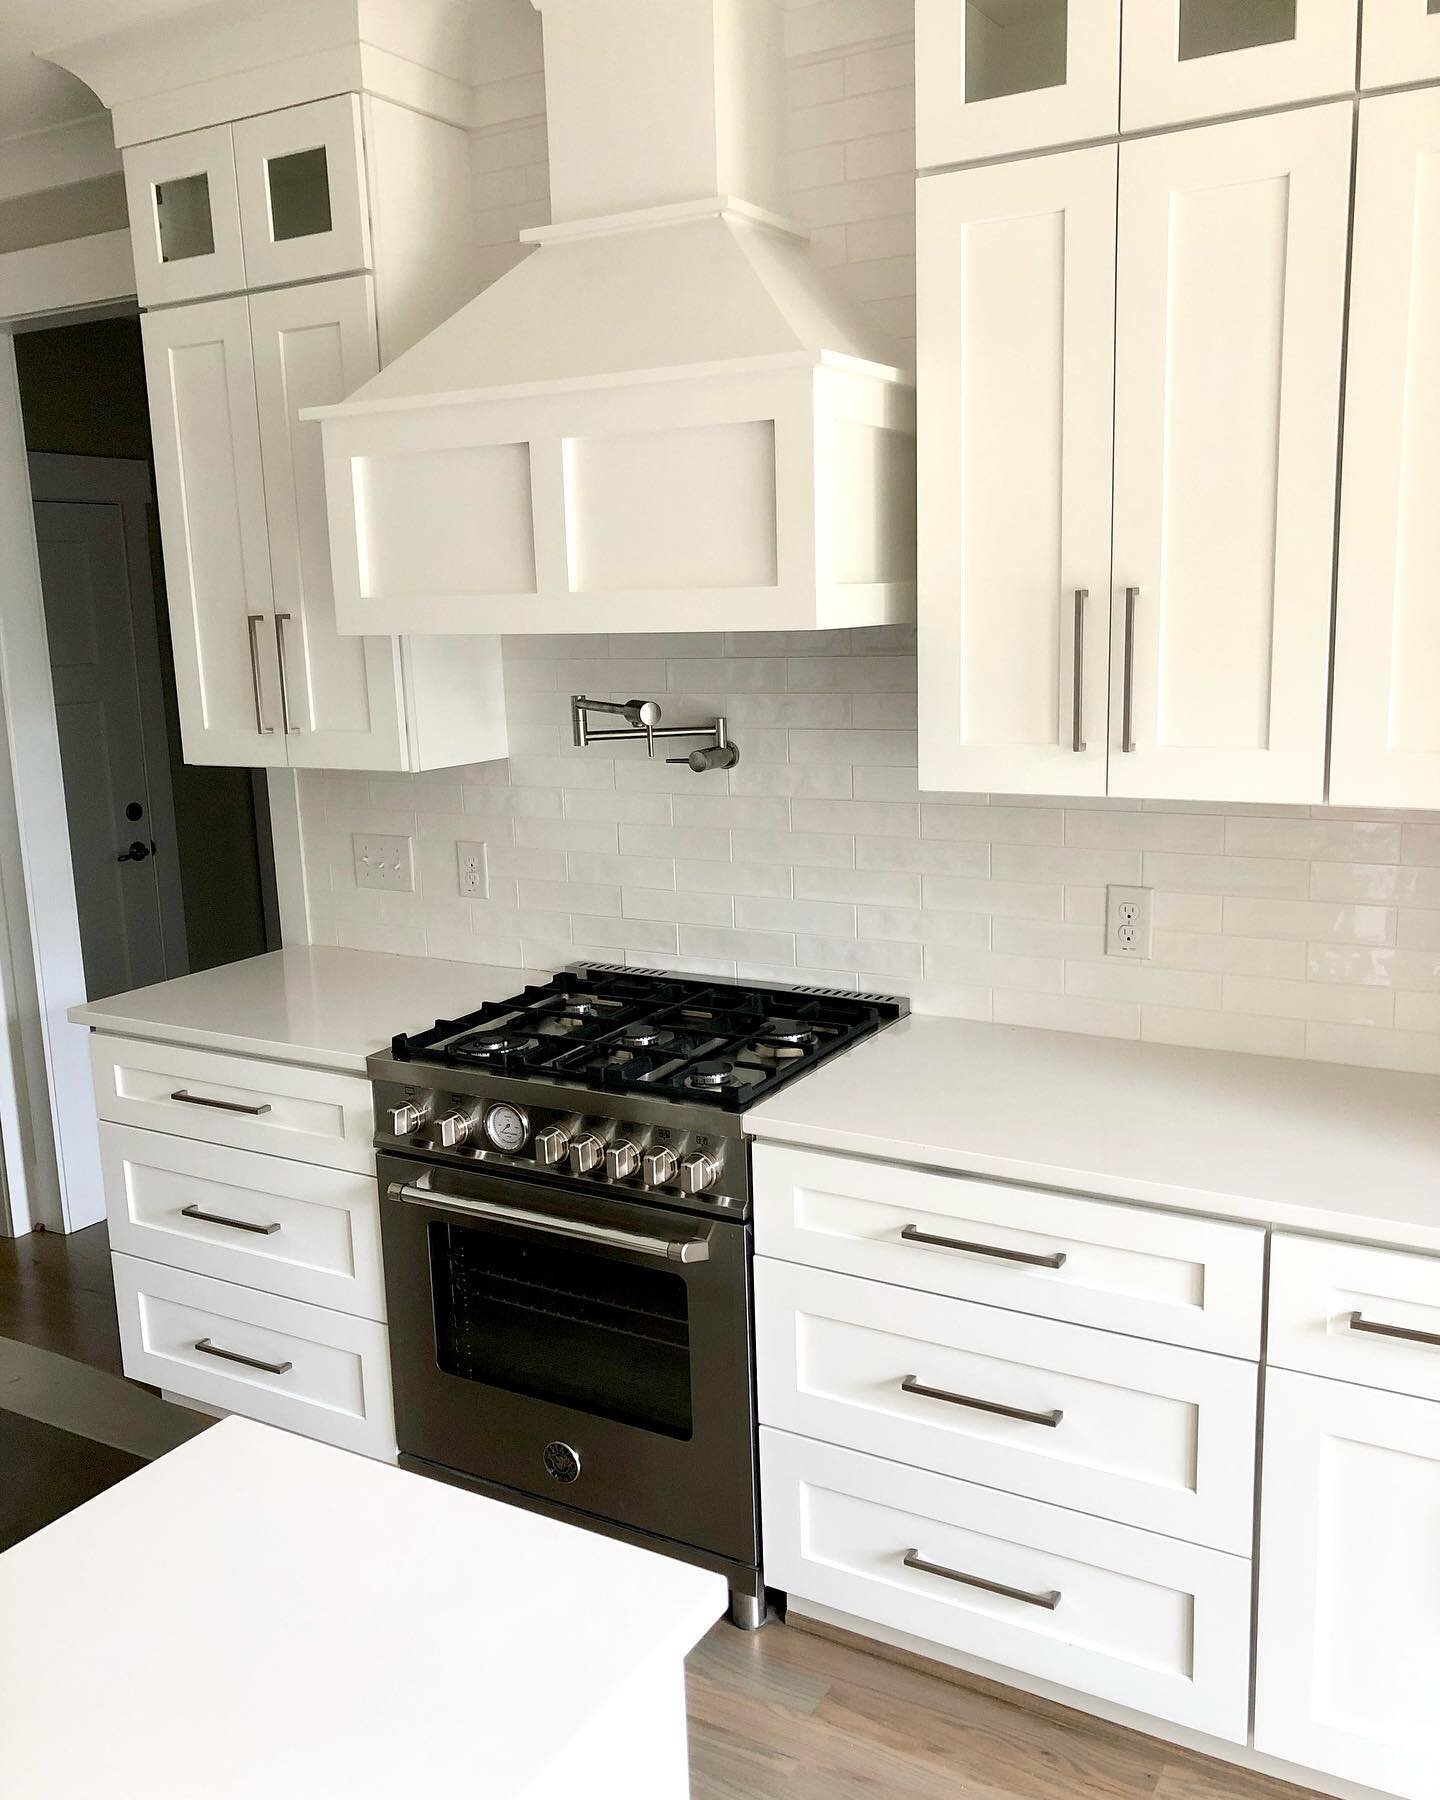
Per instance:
{"type": "Point", "coordinates": [472, 871]}
{"type": "Point", "coordinates": [1128, 931]}
{"type": "Point", "coordinates": [384, 862]}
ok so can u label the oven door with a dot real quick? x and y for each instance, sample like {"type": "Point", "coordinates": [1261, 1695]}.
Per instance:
{"type": "Point", "coordinates": [585, 1349]}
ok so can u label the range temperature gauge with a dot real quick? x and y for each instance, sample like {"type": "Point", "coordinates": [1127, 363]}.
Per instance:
{"type": "Point", "coordinates": [507, 1128]}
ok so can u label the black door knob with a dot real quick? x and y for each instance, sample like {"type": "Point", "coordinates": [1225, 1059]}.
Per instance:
{"type": "Point", "coordinates": [137, 852]}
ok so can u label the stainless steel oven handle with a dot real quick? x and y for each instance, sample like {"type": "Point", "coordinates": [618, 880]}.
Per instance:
{"type": "Point", "coordinates": [683, 1250]}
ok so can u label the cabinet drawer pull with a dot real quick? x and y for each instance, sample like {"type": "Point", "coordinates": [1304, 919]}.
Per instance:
{"type": "Point", "coordinates": [914, 1235]}
{"type": "Point", "coordinates": [1050, 1599]}
{"type": "Point", "coordinates": [1406, 1332]}
{"type": "Point", "coordinates": [282, 619]}
{"type": "Point", "coordinates": [913, 1385]}
{"type": "Point", "coordinates": [237, 1106]}
{"type": "Point", "coordinates": [1077, 697]}
{"type": "Point", "coordinates": [251, 1362]}
{"type": "Point", "coordinates": [1127, 701]}
{"type": "Point", "coordinates": [195, 1212]}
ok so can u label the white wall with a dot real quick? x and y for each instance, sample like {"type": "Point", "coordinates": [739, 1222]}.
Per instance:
{"type": "Point", "coordinates": [1284, 931]}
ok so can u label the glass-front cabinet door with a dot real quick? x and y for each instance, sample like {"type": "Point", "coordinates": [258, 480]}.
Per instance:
{"type": "Point", "coordinates": [184, 218]}
{"type": "Point", "coordinates": [996, 76]}
{"type": "Point", "coordinates": [1199, 59]}
{"type": "Point", "coordinates": [1400, 42]}
{"type": "Point", "coordinates": [300, 177]}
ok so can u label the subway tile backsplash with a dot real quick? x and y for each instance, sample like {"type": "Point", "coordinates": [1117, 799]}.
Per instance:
{"type": "Point", "coordinates": [1278, 930]}
{"type": "Point", "coordinates": [1281, 931]}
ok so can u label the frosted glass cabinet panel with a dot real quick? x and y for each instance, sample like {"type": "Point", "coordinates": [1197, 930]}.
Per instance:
{"type": "Point", "coordinates": [1348, 1661]}
{"type": "Point", "coordinates": [994, 76]}
{"type": "Point", "coordinates": [1400, 42]}
{"type": "Point", "coordinates": [1230, 290]}
{"type": "Point", "coordinates": [1198, 59]}
{"type": "Point", "coordinates": [1016, 331]}
{"type": "Point", "coordinates": [1385, 744]}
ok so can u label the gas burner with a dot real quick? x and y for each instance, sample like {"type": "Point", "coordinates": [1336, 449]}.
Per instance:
{"type": "Point", "coordinates": [581, 1006]}
{"type": "Point", "coordinates": [646, 1037]}
{"type": "Point", "coordinates": [495, 1045]}
{"type": "Point", "coordinates": [787, 1034]}
{"type": "Point", "coordinates": [710, 1076]}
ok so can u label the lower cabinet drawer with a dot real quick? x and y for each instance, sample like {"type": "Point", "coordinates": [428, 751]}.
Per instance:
{"type": "Point", "coordinates": [1144, 1621]}
{"type": "Point", "coordinates": [290, 1228]}
{"type": "Point", "coordinates": [324, 1374]}
{"type": "Point", "coordinates": [1150, 1435]}
{"type": "Point", "coordinates": [1356, 1313]}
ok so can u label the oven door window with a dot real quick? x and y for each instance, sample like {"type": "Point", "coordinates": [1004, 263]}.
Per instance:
{"type": "Point", "coordinates": [537, 1317]}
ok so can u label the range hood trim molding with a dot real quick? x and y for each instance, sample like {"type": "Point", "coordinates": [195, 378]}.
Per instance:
{"type": "Point", "coordinates": [649, 218]}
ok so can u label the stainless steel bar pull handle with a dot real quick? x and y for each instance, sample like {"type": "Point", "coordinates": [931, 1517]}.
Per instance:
{"type": "Point", "coordinates": [206, 1348]}
{"type": "Point", "coordinates": [1055, 1260]}
{"type": "Point", "coordinates": [1127, 696]}
{"type": "Point", "coordinates": [196, 1212]}
{"type": "Point", "coordinates": [281, 621]}
{"type": "Point", "coordinates": [1049, 1599]}
{"type": "Point", "coordinates": [1077, 696]}
{"type": "Point", "coordinates": [186, 1098]}
{"type": "Point", "coordinates": [681, 1250]}
{"type": "Point", "coordinates": [1407, 1333]}
{"type": "Point", "coordinates": [913, 1385]}
{"type": "Point", "coordinates": [253, 622]}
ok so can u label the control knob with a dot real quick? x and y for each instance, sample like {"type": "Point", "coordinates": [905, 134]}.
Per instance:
{"type": "Point", "coordinates": [407, 1118]}
{"type": "Point", "coordinates": [697, 1173]}
{"type": "Point", "coordinates": [586, 1152]}
{"type": "Point", "coordinates": [551, 1145]}
{"type": "Point", "coordinates": [622, 1159]}
{"type": "Point", "coordinates": [659, 1167]}
{"type": "Point", "coordinates": [453, 1128]}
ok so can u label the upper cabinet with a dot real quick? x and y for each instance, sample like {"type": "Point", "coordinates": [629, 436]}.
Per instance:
{"type": "Point", "coordinates": [1198, 59]}
{"type": "Point", "coordinates": [1385, 747]}
{"type": "Point", "coordinates": [275, 198]}
{"type": "Point", "coordinates": [1189, 578]}
{"type": "Point", "coordinates": [996, 76]}
{"type": "Point", "coordinates": [1016, 339]}
{"type": "Point", "coordinates": [1400, 42]}
{"type": "Point", "coordinates": [1230, 315]}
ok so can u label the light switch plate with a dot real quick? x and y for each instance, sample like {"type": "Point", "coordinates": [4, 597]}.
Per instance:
{"type": "Point", "coordinates": [473, 871]}
{"type": "Point", "coordinates": [1127, 922]}
{"type": "Point", "coordinates": [384, 862]}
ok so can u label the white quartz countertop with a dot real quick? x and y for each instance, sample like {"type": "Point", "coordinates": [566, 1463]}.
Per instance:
{"type": "Point", "coordinates": [258, 1614]}
{"type": "Point", "coordinates": [1314, 1146]}
{"type": "Point", "coordinates": [325, 1007]}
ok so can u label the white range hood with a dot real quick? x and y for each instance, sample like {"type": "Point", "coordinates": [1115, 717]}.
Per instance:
{"type": "Point", "coordinates": [667, 417]}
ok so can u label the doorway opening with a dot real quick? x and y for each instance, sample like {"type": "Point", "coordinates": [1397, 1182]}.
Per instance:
{"type": "Point", "coordinates": [173, 864]}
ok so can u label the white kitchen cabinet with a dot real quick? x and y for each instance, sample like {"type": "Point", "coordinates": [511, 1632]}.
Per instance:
{"type": "Point", "coordinates": [1230, 303]}
{"type": "Point", "coordinates": [1199, 59]}
{"type": "Point", "coordinates": [1399, 42]}
{"type": "Point", "coordinates": [1385, 733]}
{"type": "Point", "coordinates": [997, 76]}
{"type": "Point", "coordinates": [200, 375]}
{"type": "Point", "coordinates": [1348, 1662]}
{"type": "Point", "coordinates": [263, 676]}
{"type": "Point", "coordinates": [300, 181]}
{"type": "Point", "coordinates": [1016, 329]}
{"type": "Point", "coordinates": [184, 216]}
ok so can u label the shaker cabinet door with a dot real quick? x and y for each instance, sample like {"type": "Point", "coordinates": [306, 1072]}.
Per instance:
{"type": "Point", "coordinates": [201, 382]}
{"type": "Point", "coordinates": [1016, 345]}
{"type": "Point", "coordinates": [1231, 286]}
{"type": "Point", "coordinates": [184, 216]}
{"type": "Point", "coordinates": [1385, 735]}
{"type": "Point", "coordinates": [1348, 1657]}
{"type": "Point", "coordinates": [340, 697]}
{"type": "Point", "coordinates": [996, 76]}
{"type": "Point", "coordinates": [1202, 59]}
{"type": "Point", "coordinates": [300, 177]}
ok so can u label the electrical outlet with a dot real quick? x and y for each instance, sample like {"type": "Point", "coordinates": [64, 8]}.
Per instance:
{"type": "Point", "coordinates": [1127, 922]}
{"type": "Point", "coordinates": [474, 871]}
{"type": "Point", "coordinates": [384, 862]}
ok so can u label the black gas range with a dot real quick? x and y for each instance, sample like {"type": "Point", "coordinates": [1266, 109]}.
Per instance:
{"type": "Point", "coordinates": [565, 1204]}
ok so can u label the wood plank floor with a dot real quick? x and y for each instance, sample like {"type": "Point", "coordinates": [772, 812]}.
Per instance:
{"type": "Point", "coordinates": [56, 1293]}
{"type": "Point", "coordinates": [783, 1714]}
